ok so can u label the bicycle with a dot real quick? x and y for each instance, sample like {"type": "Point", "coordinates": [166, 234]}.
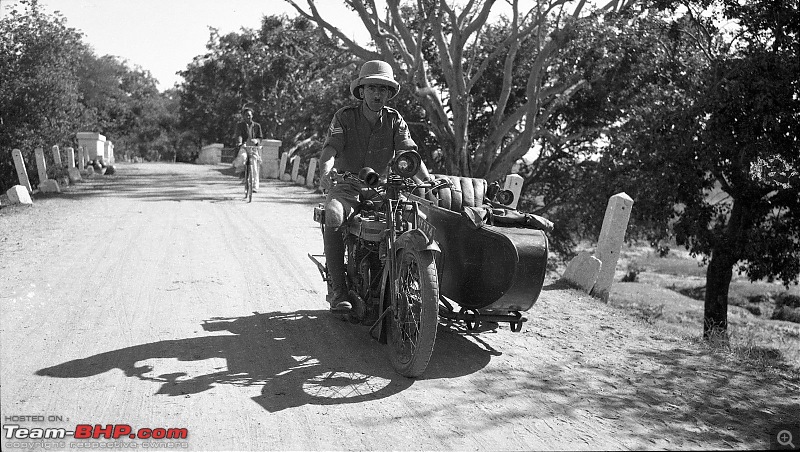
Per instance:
{"type": "Point", "coordinates": [251, 171]}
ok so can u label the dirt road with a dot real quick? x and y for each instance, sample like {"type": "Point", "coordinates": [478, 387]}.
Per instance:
{"type": "Point", "coordinates": [157, 298]}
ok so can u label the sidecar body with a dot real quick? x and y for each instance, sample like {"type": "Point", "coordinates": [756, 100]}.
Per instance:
{"type": "Point", "coordinates": [486, 269]}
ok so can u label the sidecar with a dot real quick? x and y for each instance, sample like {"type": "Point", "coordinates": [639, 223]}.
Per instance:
{"type": "Point", "coordinates": [492, 273]}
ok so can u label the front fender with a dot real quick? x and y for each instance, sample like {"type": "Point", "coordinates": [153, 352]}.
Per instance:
{"type": "Point", "coordinates": [416, 239]}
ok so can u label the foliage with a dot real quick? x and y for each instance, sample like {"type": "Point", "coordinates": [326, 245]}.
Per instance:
{"type": "Point", "coordinates": [293, 79]}
{"type": "Point", "coordinates": [125, 104]}
{"type": "Point", "coordinates": [52, 86]}
{"type": "Point", "coordinates": [697, 152]}
{"type": "Point", "coordinates": [39, 96]}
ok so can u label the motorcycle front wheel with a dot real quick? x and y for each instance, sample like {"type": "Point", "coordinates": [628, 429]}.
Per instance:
{"type": "Point", "coordinates": [412, 326]}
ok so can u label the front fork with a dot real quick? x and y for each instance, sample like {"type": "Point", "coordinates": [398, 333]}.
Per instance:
{"type": "Point", "coordinates": [388, 280]}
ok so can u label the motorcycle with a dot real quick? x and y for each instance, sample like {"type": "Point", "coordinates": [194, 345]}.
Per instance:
{"type": "Point", "coordinates": [414, 250]}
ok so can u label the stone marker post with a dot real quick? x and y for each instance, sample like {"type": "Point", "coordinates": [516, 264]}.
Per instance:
{"type": "Point", "coordinates": [41, 166]}
{"type": "Point", "coordinates": [282, 167]}
{"type": "Point", "coordinates": [57, 156]}
{"type": "Point", "coordinates": [612, 235]}
{"type": "Point", "coordinates": [295, 168]}
{"type": "Point", "coordinates": [312, 171]}
{"type": "Point", "coordinates": [73, 173]}
{"type": "Point", "coordinates": [108, 153]}
{"type": "Point", "coordinates": [81, 158]}
{"type": "Point", "coordinates": [514, 183]}
{"type": "Point", "coordinates": [70, 157]}
{"type": "Point", "coordinates": [45, 185]}
{"type": "Point", "coordinates": [22, 172]}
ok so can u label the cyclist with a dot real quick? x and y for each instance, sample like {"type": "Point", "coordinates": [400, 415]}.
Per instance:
{"type": "Point", "coordinates": [366, 134]}
{"type": "Point", "coordinates": [248, 133]}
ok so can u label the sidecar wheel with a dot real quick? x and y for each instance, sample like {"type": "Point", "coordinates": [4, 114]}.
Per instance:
{"type": "Point", "coordinates": [412, 328]}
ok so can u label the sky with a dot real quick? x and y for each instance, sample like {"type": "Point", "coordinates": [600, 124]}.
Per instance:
{"type": "Point", "coordinates": [163, 36]}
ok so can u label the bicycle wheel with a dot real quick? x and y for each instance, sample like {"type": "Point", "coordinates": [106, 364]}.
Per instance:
{"type": "Point", "coordinates": [412, 328]}
{"type": "Point", "coordinates": [250, 182]}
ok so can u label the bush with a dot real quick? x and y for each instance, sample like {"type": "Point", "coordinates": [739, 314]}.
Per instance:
{"type": "Point", "coordinates": [787, 299]}
{"type": "Point", "coordinates": [787, 307]}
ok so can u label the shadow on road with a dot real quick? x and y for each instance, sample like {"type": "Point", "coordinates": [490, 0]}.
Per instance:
{"type": "Point", "coordinates": [300, 358]}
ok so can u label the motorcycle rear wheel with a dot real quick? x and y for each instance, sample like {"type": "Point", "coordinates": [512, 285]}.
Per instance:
{"type": "Point", "coordinates": [412, 328]}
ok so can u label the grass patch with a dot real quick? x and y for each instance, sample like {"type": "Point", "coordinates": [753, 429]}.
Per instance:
{"type": "Point", "coordinates": [754, 340]}
{"type": "Point", "coordinates": [668, 293]}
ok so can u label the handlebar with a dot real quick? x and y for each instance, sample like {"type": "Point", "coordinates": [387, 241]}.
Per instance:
{"type": "Point", "coordinates": [380, 183]}
{"type": "Point", "coordinates": [252, 151]}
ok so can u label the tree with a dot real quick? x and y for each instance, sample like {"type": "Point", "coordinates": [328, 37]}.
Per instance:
{"type": "Point", "coordinates": [39, 97]}
{"type": "Point", "coordinates": [52, 85]}
{"type": "Point", "coordinates": [124, 103]}
{"type": "Point", "coordinates": [714, 153]}
{"type": "Point", "coordinates": [615, 53]}
{"type": "Point", "coordinates": [409, 34]}
{"type": "Point", "coordinates": [292, 77]}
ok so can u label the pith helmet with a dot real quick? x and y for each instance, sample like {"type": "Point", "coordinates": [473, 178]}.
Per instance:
{"type": "Point", "coordinates": [375, 72]}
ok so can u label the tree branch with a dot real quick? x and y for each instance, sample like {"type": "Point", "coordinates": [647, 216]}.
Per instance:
{"type": "Point", "coordinates": [360, 51]}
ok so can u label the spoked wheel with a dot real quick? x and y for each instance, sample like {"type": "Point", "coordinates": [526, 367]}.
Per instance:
{"type": "Point", "coordinates": [250, 182]}
{"type": "Point", "coordinates": [412, 328]}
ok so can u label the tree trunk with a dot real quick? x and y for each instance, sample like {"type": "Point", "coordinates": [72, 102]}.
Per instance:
{"type": "Point", "coordinates": [726, 253]}
{"type": "Point", "coordinates": [718, 281]}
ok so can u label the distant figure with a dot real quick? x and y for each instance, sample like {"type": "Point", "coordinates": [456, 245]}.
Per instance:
{"type": "Point", "coordinates": [248, 133]}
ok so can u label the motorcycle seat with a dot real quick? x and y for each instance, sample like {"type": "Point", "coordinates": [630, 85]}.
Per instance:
{"type": "Point", "coordinates": [465, 192]}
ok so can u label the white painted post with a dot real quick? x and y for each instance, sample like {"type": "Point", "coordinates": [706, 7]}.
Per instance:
{"type": "Point", "coordinates": [514, 183]}
{"type": "Point", "coordinates": [74, 173]}
{"type": "Point", "coordinates": [312, 171]}
{"type": "Point", "coordinates": [70, 157]}
{"type": "Point", "coordinates": [108, 153]}
{"type": "Point", "coordinates": [45, 185]}
{"type": "Point", "coordinates": [612, 235]}
{"type": "Point", "coordinates": [282, 167]}
{"type": "Point", "coordinates": [295, 168]}
{"type": "Point", "coordinates": [22, 172]}
{"type": "Point", "coordinates": [56, 156]}
{"type": "Point", "coordinates": [81, 158]}
{"type": "Point", "coordinates": [41, 166]}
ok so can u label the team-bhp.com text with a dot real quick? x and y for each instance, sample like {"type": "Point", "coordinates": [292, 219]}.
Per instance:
{"type": "Point", "coordinates": [86, 431]}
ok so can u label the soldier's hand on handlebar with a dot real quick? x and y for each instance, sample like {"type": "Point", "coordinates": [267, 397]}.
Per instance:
{"type": "Point", "coordinates": [326, 181]}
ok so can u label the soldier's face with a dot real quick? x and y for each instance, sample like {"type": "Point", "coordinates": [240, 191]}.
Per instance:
{"type": "Point", "coordinates": [376, 96]}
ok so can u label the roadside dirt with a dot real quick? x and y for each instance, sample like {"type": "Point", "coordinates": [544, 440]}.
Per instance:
{"type": "Point", "coordinates": [158, 298]}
